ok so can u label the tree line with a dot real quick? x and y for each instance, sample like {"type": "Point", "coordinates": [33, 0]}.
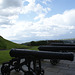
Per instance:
{"type": "Point", "coordinates": [42, 42]}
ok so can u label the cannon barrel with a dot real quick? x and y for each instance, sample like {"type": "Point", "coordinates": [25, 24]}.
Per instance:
{"type": "Point", "coordinates": [57, 48]}
{"type": "Point", "coordinates": [23, 53]}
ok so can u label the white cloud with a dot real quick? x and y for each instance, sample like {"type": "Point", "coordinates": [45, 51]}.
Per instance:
{"type": "Point", "coordinates": [20, 28]}
{"type": "Point", "coordinates": [42, 34]}
{"type": "Point", "coordinates": [12, 29]}
{"type": "Point", "coordinates": [45, 1]}
{"type": "Point", "coordinates": [9, 3]}
{"type": "Point", "coordinates": [32, 6]}
{"type": "Point", "coordinates": [40, 16]}
{"type": "Point", "coordinates": [11, 9]}
{"type": "Point", "coordinates": [1, 1]}
{"type": "Point", "coordinates": [46, 27]}
{"type": "Point", "coordinates": [56, 25]}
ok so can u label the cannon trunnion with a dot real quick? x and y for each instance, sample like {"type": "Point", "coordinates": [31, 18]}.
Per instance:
{"type": "Point", "coordinates": [32, 59]}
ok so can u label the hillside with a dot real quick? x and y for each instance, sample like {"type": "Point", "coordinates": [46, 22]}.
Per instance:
{"type": "Point", "coordinates": [69, 39]}
{"type": "Point", "coordinates": [6, 44]}
{"type": "Point", "coordinates": [48, 42]}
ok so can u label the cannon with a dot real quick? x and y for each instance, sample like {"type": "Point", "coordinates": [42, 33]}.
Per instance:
{"type": "Point", "coordinates": [32, 59]}
{"type": "Point", "coordinates": [57, 47]}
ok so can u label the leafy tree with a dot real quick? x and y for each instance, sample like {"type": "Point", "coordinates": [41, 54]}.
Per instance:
{"type": "Point", "coordinates": [33, 43]}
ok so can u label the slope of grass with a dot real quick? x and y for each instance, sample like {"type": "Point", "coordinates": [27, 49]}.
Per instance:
{"type": "Point", "coordinates": [2, 43]}
{"type": "Point", "coordinates": [6, 44]}
{"type": "Point", "coordinates": [14, 45]}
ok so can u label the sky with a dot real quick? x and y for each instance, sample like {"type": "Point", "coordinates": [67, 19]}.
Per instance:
{"type": "Point", "coordinates": [32, 20]}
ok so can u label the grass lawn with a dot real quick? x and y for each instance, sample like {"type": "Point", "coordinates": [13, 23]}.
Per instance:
{"type": "Point", "coordinates": [4, 56]}
{"type": "Point", "coordinates": [34, 48]}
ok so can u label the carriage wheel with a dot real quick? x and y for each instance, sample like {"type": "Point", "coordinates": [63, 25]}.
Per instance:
{"type": "Point", "coordinates": [5, 70]}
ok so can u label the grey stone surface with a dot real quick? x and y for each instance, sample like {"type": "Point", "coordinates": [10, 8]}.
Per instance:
{"type": "Point", "coordinates": [64, 67]}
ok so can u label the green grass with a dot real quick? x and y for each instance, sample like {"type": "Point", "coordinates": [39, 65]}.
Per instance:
{"type": "Point", "coordinates": [33, 48]}
{"type": "Point", "coordinates": [4, 56]}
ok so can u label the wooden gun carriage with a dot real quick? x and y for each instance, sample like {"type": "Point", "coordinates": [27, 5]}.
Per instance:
{"type": "Point", "coordinates": [31, 57]}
